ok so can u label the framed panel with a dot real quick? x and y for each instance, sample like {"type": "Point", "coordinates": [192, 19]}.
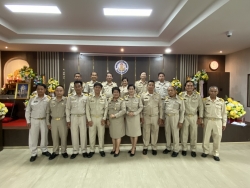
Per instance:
{"type": "Point", "coordinates": [22, 91]}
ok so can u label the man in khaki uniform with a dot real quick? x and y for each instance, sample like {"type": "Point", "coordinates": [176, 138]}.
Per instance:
{"type": "Point", "coordinates": [96, 110]}
{"type": "Point", "coordinates": [151, 118]}
{"type": "Point", "coordinates": [108, 85]}
{"type": "Point", "coordinates": [215, 120]}
{"type": "Point", "coordinates": [71, 90]}
{"type": "Point", "coordinates": [35, 115]}
{"type": "Point", "coordinates": [161, 86]}
{"type": "Point", "coordinates": [89, 86]}
{"type": "Point", "coordinates": [141, 85]}
{"type": "Point", "coordinates": [76, 119]}
{"type": "Point", "coordinates": [56, 112]}
{"type": "Point", "coordinates": [174, 110]}
{"type": "Point", "coordinates": [193, 104]}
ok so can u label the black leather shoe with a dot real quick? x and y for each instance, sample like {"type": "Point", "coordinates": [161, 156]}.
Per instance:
{"type": "Point", "coordinates": [216, 158]}
{"type": "Point", "coordinates": [46, 153]}
{"type": "Point", "coordinates": [73, 156]}
{"type": "Point", "coordinates": [112, 152]}
{"type": "Point", "coordinates": [130, 150]}
{"type": "Point", "coordinates": [184, 153]}
{"type": "Point", "coordinates": [193, 154]}
{"type": "Point", "coordinates": [116, 155]}
{"type": "Point", "coordinates": [33, 158]}
{"type": "Point", "coordinates": [102, 153]}
{"type": "Point", "coordinates": [85, 155]}
{"type": "Point", "coordinates": [145, 151]}
{"type": "Point", "coordinates": [174, 154]}
{"type": "Point", "coordinates": [91, 154]}
{"type": "Point", "coordinates": [53, 155]}
{"type": "Point", "coordinates": [166, 151]}
{"type": "Point", "coordinates": [65, 155]}
{"type": "Point", "coordinates": [154, 152]}
{"type": "Point", "coordinates": [204, 155]}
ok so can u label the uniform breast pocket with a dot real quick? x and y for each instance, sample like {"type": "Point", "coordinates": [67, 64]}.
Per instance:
{"type": "Point", "coordinates": [135, 104]}
{"type": "Point", "coordinates": [74, 104]}
{"type": "Point", "coordinates": [176, 106]}
{"type": "Point", "coordinates": [52, 105]}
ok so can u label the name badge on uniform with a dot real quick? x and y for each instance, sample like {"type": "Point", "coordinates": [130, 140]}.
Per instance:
{"type": "Point", "coordinates": [207, 104]}
{"type": "Point", "coordinates": [35, 101]}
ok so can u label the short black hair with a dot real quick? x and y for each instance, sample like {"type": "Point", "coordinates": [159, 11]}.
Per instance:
{"type": "Point", "coordinates": [93, 72]}
{"type": "Point", "coordinates": [131, 85]}
{"type": "Point", "coordinates": [78, 82]}
{"type": "Point", "coordinates": [109, 73]}
{"type": "Point", "coordinates": [40, 84]}
{"type": "Point", "coordinates": [77, 73]}
{"type": "Point", "coordinates": [161, 73]}
{"type": "Point", "coordinates": [98, 84]}
{"type": "Point", "coordinates": [152, 81]}
{"type": "Point", "coordinates": [188, 82]}
{"type": "Point", "coordinates": [143, 72]}
{"type": "Point", "coordinates": [60, 86]}
{"type": "Point", "coordinates": [125, 78]}
{"type": "Point", "coordinates": [116, 89]}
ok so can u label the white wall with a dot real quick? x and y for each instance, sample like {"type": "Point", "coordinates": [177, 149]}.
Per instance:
{"type": "Point", "coordinates": [238, 64]}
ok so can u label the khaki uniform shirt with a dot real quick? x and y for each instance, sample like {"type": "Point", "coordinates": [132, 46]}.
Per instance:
{"type": "Point", "coordinates": [193, 103]}
{"type": "Point", "coordinates": [89, 87]}
{"type": "Point", "coordinates": [124, 91]}
{"type": "Point", "coordinates": [107, 88]}
{"type": "Point", "coordinates": [215, 109]}
{"type": "Point", "coordinates": [174, 105]}
{"type": "Point", "coordinates": [36, 107]}
{"type": "Point", "coordinates": [56, 109]}
{"type": "Point", "coordinates": [133, 104]}
{"type": "Point", "coordinates": [162, 88]}
{"type": "Point", "coordinates": [72, 91]}
{"type": "Point", "coordinates": [141, 87]}
{"type": "Point", "coordinates": [152, 105]}
{"type": "Point", "coordinates": [76, 105]}
{"type": "Point", "coordinates": [117, 108]}
{"type": "Point", "coordinates": [97, 106]}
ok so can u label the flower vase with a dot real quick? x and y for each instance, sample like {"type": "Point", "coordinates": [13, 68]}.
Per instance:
{"type": "Point", "coordinates": [230, 120]}
{"type": "Point", "coordinates": [201, 82]}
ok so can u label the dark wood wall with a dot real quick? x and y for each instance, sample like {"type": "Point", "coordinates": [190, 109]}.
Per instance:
{"type": "Point", "coordinates": [71, 63]}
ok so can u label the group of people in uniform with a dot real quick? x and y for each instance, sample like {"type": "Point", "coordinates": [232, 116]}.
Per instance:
{"type": "Point", "coordinates": [131, 109]}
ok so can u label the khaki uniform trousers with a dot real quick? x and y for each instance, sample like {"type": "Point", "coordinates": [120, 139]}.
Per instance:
{"type": "Point", "coordinates": [36, 127]}
{"type": "Point", "coordinates": [78, 123]}
{"type": "Point", "coordinates": [189, 126]}
{"type": "Point", "coordinates": [214, 128]}
{"type": "Point", "coordinates": [98, 129]}
{"type": "Point", "coordinates": [171, 126]}
{"type": "Point", "coordinates": [59, 129]}
{"type": "Point", "coordinates": [150, 127]}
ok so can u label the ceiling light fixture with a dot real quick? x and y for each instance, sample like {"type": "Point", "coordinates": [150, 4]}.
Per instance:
{"type": "Point", "coordinates": [122, 50]}
{"type": "Point", "coordinates": [126, 12]}
{"type": "Point", "coordinates": [220, 51]}
{"type": "Point", "coordinates": [6, 47]}
{"type": "Point", "coordinates": [168, 50]}
{"type": "Point", "coordinates": [34, 9]}
{"type": "Point", "coordinates": [73, 48]}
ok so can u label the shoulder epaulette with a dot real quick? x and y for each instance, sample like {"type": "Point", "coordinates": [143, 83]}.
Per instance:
{"type": "Point", "coordinates": [166, 97]}
{"type": "Point", "coordinates": [138, 96]}
{"type": "Point", "coordinates": [87, 82]}
{"type": "Point", "coordinates": [180, 93]}
{"type": "Point", "coordinates": [69, 94]}
{"type": "Point", "coordinates": [86, 94]}
{"type": "Point", "coordinates": [32, 96]}
{"type": "Point", "coordinates": [48, 97]}
{"type": "Point", "coordinates": [121, 98]}
{"type": "Point", "coordinates": [221, 99]}
{"type": "Point", "coordinates": [204, 99]}
{"type": "Point", "coordinates": [181, 98]}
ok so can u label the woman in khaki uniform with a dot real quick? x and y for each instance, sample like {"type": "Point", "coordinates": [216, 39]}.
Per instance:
{"type": "Point", "coordinates": [124, 87]}
{"type": "Point", "coordinates": [133, 109]}
{"type": "Point", "coordinates": [116, 111]}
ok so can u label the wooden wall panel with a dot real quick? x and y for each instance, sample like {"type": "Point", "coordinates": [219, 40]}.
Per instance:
{"type": "Point", "coordinates": [100, 66]}
{"type": "Point", "coordinates": [205, 60]}
{"type": "Point", "coordinates": [86, 67]}
{"type": "Point", "coordinates": [142, 64]}
{"type": "Point", "coordinates": [170, 67]}
{"type": "Point", "coordinates": [155, 66]}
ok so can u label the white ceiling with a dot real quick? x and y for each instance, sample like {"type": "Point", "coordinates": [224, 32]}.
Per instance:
{"type": "Point", "coordinates": [187, 26]}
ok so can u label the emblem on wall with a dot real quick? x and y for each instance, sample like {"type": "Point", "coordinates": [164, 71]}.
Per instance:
{"type": "Point", "coordinates": [121, 67]}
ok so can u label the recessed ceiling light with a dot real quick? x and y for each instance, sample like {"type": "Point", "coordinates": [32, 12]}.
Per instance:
{"type": "Point", "coordinates": [220, 51]}
{"type": "Point", "coordinates": [34, 9]}
{"type": "Point", "coordinates": [122, 50]}
{"type": "Point", "coordinates": [6, 47]}
{"type": "Point", "coordinates": [126, 12]}
{"type": "Point", "coordinates": [73, 48]}
{"type": "Point", "coordinates": [168, 50]}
